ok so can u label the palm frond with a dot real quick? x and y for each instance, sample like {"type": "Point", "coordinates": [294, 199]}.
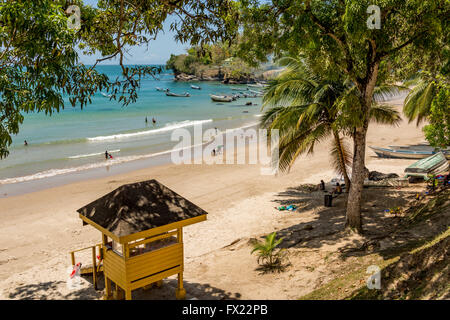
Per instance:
{"type": "Point", "coordinates": [385, 114]}
{"type": "Point", "coordinates": [341, 156]}
{"type": "Point", "coordinates": [418, 102]}
{"type": "Point", "coordinates": [387, 91]}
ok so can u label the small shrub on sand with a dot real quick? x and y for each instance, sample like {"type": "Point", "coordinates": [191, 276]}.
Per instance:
{"type": "Point", "coordinates": [270, 258]}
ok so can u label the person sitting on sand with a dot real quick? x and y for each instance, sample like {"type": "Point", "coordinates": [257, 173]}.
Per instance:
{"type": "Point", "coordinates": [338, 189]}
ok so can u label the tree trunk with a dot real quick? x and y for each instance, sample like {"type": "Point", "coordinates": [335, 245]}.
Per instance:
{"type": "Point", "coordinates": [355, 194]}
{"type": "Point", "coordinates": [337, 140]}
{"type": "Point", "coordinates": [353, 219]}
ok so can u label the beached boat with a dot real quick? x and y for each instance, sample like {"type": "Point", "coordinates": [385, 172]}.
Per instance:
{"type": "Point", "coordinates": [407, 153]}
{"type": "Point", "coordinates": [171, 94]}
{"type": "Point", "coordinates": [195, 87]}
{"type": "Point", "coordinates": [433, 165]}
{"type": "Point", "coordinates": [221, 98]}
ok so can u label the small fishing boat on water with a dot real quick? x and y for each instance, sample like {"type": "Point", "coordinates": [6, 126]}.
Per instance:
{"type": "Point", "coordinates": [408, 152]}
{"type": "Point", "coordinates": [239, 89]}
{"type": "Point", "coordinates": [257, 85]}
{"type": "Point", "coordinates": [171, 94]}
{"type": "Point", "coordinates": [105, 95]}
{"type": "Point", "coordinates": [161, 89]}
{"type": "Point", "coordinates": [195, 87]}
{"type": "Point", "coordinates": [221, 98]}
{"type": "Point", "coordinates": [257, 93]}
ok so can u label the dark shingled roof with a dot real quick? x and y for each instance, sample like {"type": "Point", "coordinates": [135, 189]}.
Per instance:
{"type": "Point", "coordinates": [140, 206]}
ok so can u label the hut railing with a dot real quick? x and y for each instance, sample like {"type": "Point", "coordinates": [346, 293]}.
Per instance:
{"type": "Point", "coordinates": [95, 268]}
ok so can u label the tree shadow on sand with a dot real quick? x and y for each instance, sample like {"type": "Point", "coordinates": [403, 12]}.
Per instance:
{"type": "Point", "coordinates": [328, 224]}
{"type": "Point", "coordinates": [53, 290]}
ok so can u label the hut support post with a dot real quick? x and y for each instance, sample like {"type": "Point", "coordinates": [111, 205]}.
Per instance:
{"type": "Point", "coordinates": [94, 267]}
{"type": "Point", "coordinates": [108, 291]}
{"type": "Point", "coordinates": [181, 292]}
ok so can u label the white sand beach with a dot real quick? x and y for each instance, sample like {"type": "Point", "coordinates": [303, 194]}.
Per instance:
{"type": "Point", "coordinates": [37, 230]}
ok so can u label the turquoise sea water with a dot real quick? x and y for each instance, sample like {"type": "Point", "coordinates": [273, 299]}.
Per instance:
{"type": "Point", "coordinates": [75, 140]}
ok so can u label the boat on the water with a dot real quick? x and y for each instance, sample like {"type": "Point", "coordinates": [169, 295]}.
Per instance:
{"type": "Point", "coordinates": [257, 85]}
{"type": "Point", "coordinates": [195, 87]}
{"type": "Point", "coordinates": [256, 93]}
{"type": "Point", "coordinates": [161, 89]}
{"type": "Point", "coordinates": [414, 152]}
{"type": "Point", "coordinates": [171, 94]}
{"type": "Point", "coordinates": [221, 98]}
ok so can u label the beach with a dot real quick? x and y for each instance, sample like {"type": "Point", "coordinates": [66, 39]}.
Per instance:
{"type": "Point", "coordinates": [39, 229]}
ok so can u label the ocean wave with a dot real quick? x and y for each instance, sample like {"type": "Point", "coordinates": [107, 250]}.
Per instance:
{"type": "Point", "coordinates": [119, 160]}
{"type": "Point", "coordinates": [92, 154]}
{"type": "Point", "coordinates": [168, 127]}
{"type": "Point", "coordinates": [55, 172]}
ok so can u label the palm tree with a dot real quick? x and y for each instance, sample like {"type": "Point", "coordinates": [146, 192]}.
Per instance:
{"type": "Point", "coordinates": [308, 106]}
{"type": "Point", "coordinates": [426, 87]}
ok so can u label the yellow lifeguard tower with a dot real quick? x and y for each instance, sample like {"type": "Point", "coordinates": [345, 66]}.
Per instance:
{"type": "Point", "coordinates": [142, 227]}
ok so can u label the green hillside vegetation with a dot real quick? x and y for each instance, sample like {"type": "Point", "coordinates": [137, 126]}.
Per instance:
{"type": "Point", "coordinates": [216, 60]}
{"type": "Point", "coordinates": [418, 269]}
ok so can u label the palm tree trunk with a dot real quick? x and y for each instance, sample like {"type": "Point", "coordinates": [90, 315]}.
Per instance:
{"type": "Point", "coordinates": [341, 155]}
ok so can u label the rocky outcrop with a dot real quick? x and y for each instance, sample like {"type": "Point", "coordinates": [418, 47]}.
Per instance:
{"type": "Point", "coordinates": [216, 74]}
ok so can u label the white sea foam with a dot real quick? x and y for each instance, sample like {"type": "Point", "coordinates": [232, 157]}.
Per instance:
{"type": "Point", "coordinates": [55, 172]}
{"type": "Point", "coordinates": [119, 160]}
{"type": "Point", "coordinates": [92, 154]}
{"type": "Point", "coordinates": [168, 127]}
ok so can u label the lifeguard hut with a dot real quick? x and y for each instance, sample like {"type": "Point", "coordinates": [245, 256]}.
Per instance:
{"type": "Point", "coordinates": [142, 235]}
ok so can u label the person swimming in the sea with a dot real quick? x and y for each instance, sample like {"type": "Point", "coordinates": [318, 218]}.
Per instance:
{"type": "Point", "coordinates": [25, 143]}
{"type": "Point", "coordinates": [154, 120]}
{"type": "Point", "coordinates": [106, 155]}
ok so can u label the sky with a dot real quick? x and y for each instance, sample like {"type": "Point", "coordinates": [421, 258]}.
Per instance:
{"type": "Point", "coordinates": [158, 51]}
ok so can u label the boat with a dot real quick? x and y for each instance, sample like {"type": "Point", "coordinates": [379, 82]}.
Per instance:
{"type": "Point", "coordinates": [407, 153]}
{"type": "Point", "coordinates": [257, 85]}
{"type": "Point", "coordinates": [256, 93]}
{"type": "Point", "coordinates": [239, 89]}
{"type": "Point", "coordinates": [221, 98]}
{"type": "Point", "coordinates": [161, 89]}
{"type": "Point", "coordinates": [195, 87]}
{"type": "Point", "coordinates": [432, 165]}
{"type": "Point", "coordinates": [171, 94]}
{"type": "Point", "coordinates": [105, 95]}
